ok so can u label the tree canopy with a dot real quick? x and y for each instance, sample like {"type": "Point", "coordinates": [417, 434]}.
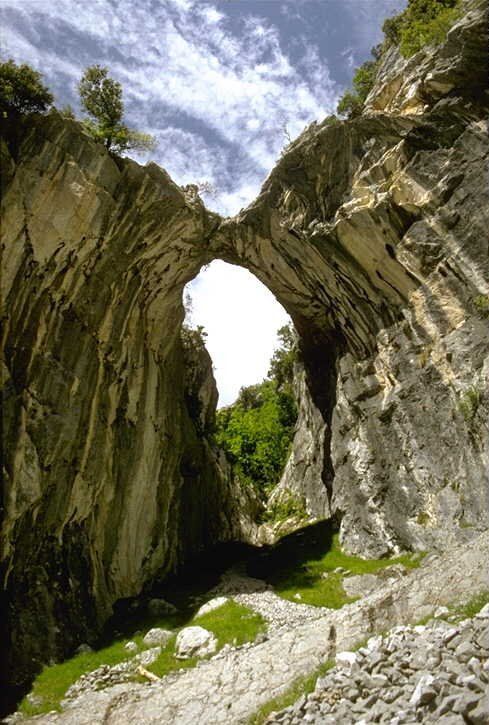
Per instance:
{"type": "Point", "coordinates": [257, 430]}
{"type": "Point", "coordinates": [421, 23]}
{"type": "Point", "coordinates": [22, 90]}
{"type": "Point", "coordinates": [101, 99]}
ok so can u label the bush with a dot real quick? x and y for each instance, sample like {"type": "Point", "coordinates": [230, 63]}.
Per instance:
{"type": "Point", "coordinates": [351, 103]}
{"type": "Point", "coordinates": [422, 23]}
{"type": "Point", "coordinates": [22, 90]}
{"type": "Point", "coordinates": [469, 403]}
{"type": "Point", "coordinates": [418, 33]}
{"type": "Point", "coordinates": [481, 304]}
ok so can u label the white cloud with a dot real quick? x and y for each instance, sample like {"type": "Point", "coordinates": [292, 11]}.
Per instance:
{"type": "Point", "coordinates": [241, 318]}
{"type": "Point", "coordinates": [230, 90]}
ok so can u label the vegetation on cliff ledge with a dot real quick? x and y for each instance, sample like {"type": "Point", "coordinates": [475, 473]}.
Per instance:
{"type": "Point", "coordinates": [422, 23]}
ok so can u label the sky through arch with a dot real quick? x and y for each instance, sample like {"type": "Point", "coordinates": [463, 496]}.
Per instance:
{"type": "Point", "coordinates": [241, 318]}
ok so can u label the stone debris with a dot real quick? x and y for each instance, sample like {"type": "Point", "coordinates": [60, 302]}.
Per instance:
{"type": "Point", "coordinates": [211, 605]}
{"type": "Point", "coordinates": [438, 673]}
{"type": "Point", "coordinates": [259, 596]}
{"type": "Point", "coordinates": [157, 636]}
{"type": "Point", "coordinates": [232, 685]}
{"type": "Point", "coordinates": [131, 647]}
{"type": "Point", "coordinates": [195, 642]}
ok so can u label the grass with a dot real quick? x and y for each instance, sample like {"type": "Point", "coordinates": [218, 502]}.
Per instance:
{"type": "Point", "coordinates": [316, 581]}
{"type": "Point", "coordinates": [300, 686]}
{"type": "Point", "coordinates": [232, 623]}
{"type": "Point", "coordinates": [470, 608]}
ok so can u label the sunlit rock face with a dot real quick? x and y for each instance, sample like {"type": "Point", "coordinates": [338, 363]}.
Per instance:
{"type": "Point", "coordinates": [372, 233]}
{"type": "Point", "coordinates": [110, 479]}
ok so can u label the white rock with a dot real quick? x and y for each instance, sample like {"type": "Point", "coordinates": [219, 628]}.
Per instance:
{"type": "Point", "coordinates": [346, 659]}
{"type": "Point", "coordinates": [195, 642]}
{"type": "Point", "coordinates": [148, 657]}
{"type": "Point", "coordinates": [441, 611]}
{"type": "Point", "coordinates": [211, 605]}
{"type": "Point", "coordinates": [131, 646]}
{"type": "Point", "coordinates": [373, 643]}
{"type": "Point", "coordinates": [484, 612]}
{"type": "Point", "coordinates": [423, 685]}
{"type": "Point", "coordinates": [157, 636]}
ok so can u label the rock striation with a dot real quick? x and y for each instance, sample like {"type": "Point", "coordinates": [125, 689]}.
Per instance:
{"type": "Point", "coordinates": [371, 232]}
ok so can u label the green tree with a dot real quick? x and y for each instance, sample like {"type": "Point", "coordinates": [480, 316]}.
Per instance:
{"type": "Point", "coordinates": [257, 430]}
{"type": "Point", "coordinates": [22, 90]}
{"type": "Point", "coordinates": [101, 98]}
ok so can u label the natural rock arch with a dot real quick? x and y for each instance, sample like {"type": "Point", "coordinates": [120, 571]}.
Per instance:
{"type": "Point", "coordinates": [372, 234]}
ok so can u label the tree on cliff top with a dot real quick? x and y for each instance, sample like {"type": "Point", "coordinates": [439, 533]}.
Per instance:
{"type": "Point", "coordinates": [101, 98]}
{"type": "Point", "coordinates": [22, 90]}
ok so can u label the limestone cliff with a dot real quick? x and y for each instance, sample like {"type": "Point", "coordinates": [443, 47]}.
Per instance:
{"type": "Point", "coordinates": [373, 235]}
{"type": "Point", "coordinates": [109, 477]}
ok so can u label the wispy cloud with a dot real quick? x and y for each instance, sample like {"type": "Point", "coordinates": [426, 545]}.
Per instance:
{"type": "Point", "coordinates": [216, 96]}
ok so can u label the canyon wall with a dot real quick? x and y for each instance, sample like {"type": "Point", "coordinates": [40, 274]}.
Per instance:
{"type": "Point", "coordinates": [373, 234]}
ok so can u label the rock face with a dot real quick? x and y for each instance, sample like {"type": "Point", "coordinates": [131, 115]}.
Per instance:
{"type": "Point", "coordinates": [110, 479]}
{"type": "Point", "coordinates": [373, 235]}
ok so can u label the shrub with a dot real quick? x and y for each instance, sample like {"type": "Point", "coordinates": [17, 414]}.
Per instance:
{"type": "Point", "coordinates": [22, 90]}
{"type": "Point", "coordinates": [469, 403]}
{"type": "Point", "coordinates": [481, 304]}
{"type": "Point", "coordinates": [286, 506]}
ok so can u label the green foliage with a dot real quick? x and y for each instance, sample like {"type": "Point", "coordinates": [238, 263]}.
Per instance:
{"type": "Point", "coordinates": [481, 304]}
{"type": "Point", "coordinates": [418, 33]}
{"type": "Point", "coordinates": [282, 363]}
{"type": "Point", "coordinates": [22, 90]}
{"type": "Point", "coordinates": [470, 608]}
{"type": "Point", "coordinates": [423, 22]}
{"type": "Point", "coordinates": [316, 581]}
{"type": "Point", "coordinates": [469, 402]}
{"type": "Point", "coordinates": [101, 98]}
{"type": "Point", "coordinates": [300, 686]}
{"type": "Point", "coordinates": [351, 103]}
{"type": "Point", "coordinates": [256, 431]}
{"type": "Point", "coordinates": [286, 506]}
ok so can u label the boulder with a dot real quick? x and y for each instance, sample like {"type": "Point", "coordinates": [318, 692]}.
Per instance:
{"type": "Point", "coordinates": [211, 605]}
{"type": "Point", "coordinates": [195, 642]}
{"type": "Point", "coordinates": [157, 636]}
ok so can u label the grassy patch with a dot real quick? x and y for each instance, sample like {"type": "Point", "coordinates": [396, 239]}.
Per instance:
{"type": "Point", "coordinates": [470, 608]}
{"type": "Point", "coordinates": [301, 686]}
{"type": "Point", "coordinates": [231, 623]}
{"type": "Point", "coordinates": [314, 580]}
{"type": "Point", "coordinates": [51, 684]}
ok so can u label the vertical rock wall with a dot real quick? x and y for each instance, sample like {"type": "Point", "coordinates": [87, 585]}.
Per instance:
{"type": "Point", "coordinates": [105, 466]}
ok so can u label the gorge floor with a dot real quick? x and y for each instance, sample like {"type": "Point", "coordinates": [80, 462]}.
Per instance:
{"type": "Point", "coordinates": [243, 676]}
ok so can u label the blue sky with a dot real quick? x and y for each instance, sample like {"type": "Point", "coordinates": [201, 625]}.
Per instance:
{"type": "Point", "coordinates": [216, 83]}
